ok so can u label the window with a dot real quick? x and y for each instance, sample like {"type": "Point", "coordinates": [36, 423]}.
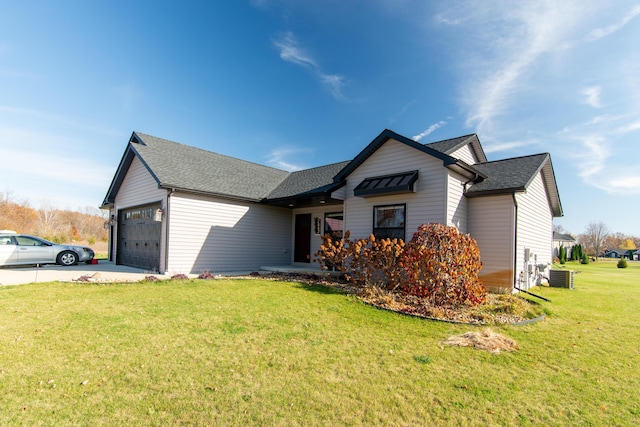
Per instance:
{"type": "Point", "coordinates": [334, 224]}
{"type": "Point", "coordinates": [389, 221]}
{"type": "Point", "coordinates": [29, 241]}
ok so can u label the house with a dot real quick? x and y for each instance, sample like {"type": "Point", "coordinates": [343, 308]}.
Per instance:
{"type": "Point", "coordinates": [180, 209]}
{"type": "Point", "coordinates": [630, 254]}
{"type": "Point", "coordinates": [561, 239]}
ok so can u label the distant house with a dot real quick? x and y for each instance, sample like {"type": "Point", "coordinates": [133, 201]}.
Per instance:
{"type": "Point", "coordinates": [566, 240]}
{"type": "Point", "coordinates": [630, 254]}
{"type": "Point", "coordinates": [180, 209]}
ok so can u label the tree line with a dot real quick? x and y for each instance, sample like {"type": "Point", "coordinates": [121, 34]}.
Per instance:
{"type": "Point", "coordinates": [598, 237]}
{"type": "Point", "coordinates": [48, 222]}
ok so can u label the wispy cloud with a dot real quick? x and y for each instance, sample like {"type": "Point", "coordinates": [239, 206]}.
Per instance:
{"type": "Point", "coordinates": [629, 184]}
{"type": "Point", "coordinates": [278, 158]}
{"type": "Point", "coordinates": [601, 32]}
{"type": "Point", "coordinates": [291, 51]}
{"type": "Point", "coordinates": [523, 69]}
{"type": "Point", "coordinates": [630, 127]}
{"type": "Point", "coordinates": [592, 96]}
{"type": "Point", "coordinates": [504, 146]}
{"type": "Point", "coordinates": [515, 40]}
{"type": "Point", "coordinates": [429, 130]}
{"type": "Point", "coordinates": [403, 110]}
{"type": "Point", "coordinates": [593, 155]}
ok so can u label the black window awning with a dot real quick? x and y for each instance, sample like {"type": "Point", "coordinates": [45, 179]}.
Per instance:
{"type": "Point", "coordinates": [388, 184]}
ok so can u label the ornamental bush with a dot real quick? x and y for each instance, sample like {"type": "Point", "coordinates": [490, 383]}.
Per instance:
{"type": "Point", "coordinates": [442, 266]}
{"type": "Point", "coordinates": [562, 254]}
{"type": "Point", "coordinates": [364, 262]}
{"type": "Point", "coordinates": [439, 264]}
{"type": "Point", "coordinates": [622, 263]}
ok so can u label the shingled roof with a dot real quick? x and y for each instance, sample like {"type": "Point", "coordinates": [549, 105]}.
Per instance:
{"type": "Point", "coordinates": [308, 181]}
{"type": "Point", "coordinates": [514, 175]}
{"type": "Point", "coordinates": [182, 167]}
{"type": "Point", "coordinates": [448, 146]}
{"type": "Point", "coordinates": [185, 168]}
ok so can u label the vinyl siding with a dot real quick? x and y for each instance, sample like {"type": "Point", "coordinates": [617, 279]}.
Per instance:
{"type": "Point", "coordinates": [535, 227]}
{"type": "Point", "coordinates": [457, 204]}
{"type": "Point", "coordinates": [138, 188]}
{"type": "Point", "coordinates": [465, 154]}
{"type": "Point", "coordinates": [492, 225]}
{"type": "Point", "coordinates": [217, 235]}
{"type": "Point", "coordinates": [426, 204]}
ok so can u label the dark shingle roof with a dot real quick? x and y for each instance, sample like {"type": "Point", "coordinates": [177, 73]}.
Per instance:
{"type": "Point", "coordinates": [184, 167]}
{"type": "Point", "coordinates": [448, 146]}
{"type": "Point", "coordinates": [508, 175]}
{"type": "Point", "coordinates": [308, 181]}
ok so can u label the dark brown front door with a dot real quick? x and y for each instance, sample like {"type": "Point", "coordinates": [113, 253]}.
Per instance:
{"type": "Point", "coordinates": [302, 244]}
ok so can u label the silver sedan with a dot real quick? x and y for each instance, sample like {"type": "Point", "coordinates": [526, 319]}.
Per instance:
{"type": "Point", "coordinates": [19, 249]}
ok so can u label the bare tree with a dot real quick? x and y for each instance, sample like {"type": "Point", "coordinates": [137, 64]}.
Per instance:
{"type": "Point", "coordinates": [48, 224]}
{"type": "Point", "coordinates": [559, 229]}
{"type": "Point", "coordinates": [594, 237]}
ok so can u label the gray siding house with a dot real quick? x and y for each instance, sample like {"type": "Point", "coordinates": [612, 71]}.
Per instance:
{"type": "Point", "coordinates": [179, 209]}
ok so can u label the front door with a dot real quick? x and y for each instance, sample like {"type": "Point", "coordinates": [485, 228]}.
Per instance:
{"type": "Point", "coordinates": [302, 243]}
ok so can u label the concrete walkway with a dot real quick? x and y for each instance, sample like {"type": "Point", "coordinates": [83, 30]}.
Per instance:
{"type": "Point", "coordinates": [104, 271]}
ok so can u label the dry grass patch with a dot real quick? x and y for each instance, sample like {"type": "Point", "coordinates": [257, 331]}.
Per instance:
{"type": "Point", "coordinates": [486, 340]}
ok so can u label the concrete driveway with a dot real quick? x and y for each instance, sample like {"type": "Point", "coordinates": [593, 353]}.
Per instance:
{"type": "Point", "coordinates": [104, 271]}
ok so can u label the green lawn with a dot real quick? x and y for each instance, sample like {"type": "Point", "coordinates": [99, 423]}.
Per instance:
{"type": "Point", "coordinates": [255, 352]}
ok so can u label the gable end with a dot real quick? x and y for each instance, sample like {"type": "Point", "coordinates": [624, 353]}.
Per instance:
{"type": "Point", "coordinates": [449, 162]}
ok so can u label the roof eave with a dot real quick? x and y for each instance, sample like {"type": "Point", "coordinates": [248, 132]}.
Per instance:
{"type": "Point", "coordinates": [496, 192]}
{"type": "Point", "coordinates": [123, 167]}
{"type": "Point", "coordinates": [173, 188]}
{"type": "Point", "coordinates": [325, 194]}
{"type": "Point", "coordinates": [465, 169]}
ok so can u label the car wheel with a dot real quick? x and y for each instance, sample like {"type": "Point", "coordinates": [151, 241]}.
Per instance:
{"type": "Point", "coordinates": [67, 258]}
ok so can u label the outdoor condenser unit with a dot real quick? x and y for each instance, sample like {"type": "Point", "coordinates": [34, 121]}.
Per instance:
{"type": "Point", "coordinates": [561, 279]}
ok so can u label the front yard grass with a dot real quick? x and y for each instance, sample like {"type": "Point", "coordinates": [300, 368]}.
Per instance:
{"type": "Point", "coordinates": [258, 352]}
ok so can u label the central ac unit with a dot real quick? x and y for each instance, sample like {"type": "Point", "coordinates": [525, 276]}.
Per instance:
{"type": "Point", "coordinates": [561, 279]}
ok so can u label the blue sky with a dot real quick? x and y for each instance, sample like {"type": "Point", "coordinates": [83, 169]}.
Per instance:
{"type": "Point", "coordinates": [297, 84]}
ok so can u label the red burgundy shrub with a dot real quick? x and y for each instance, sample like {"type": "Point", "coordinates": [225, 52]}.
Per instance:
{"type": "Point", "coordinates": [439, 264]}
{"type": "Point", "coordinates": [442, 266]}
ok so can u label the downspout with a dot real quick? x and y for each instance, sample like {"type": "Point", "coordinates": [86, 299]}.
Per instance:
{"type": "Point", "coordinates": [166, 235]}
{"type": "Point", "coordinates": [464, 191]}
{"type": "Point", "coordinates": [515, 240]}
{"type": "Point", "coordinates": [464, 185]}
